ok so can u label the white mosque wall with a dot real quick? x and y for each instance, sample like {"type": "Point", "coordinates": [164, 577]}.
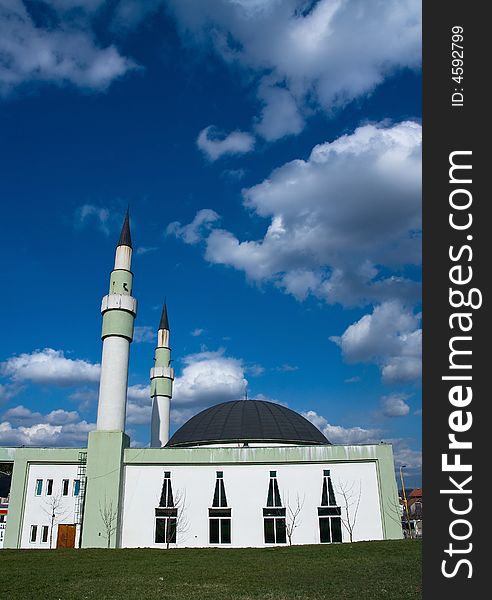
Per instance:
{"type": "Point", "coordinates": [38, 507]}
{"type": "Point", "coordinates": [246, 487]}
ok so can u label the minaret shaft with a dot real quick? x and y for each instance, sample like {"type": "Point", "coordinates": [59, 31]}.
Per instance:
{"type": "Point", "coordinates": [119, 309]}
{"type": "Point", "coordinates": [161, 386]}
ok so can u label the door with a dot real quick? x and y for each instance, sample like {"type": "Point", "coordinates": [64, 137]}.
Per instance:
{"type": "Point", "coordinates": [66, 536]}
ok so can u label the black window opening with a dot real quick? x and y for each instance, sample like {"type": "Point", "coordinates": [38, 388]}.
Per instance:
{"type": "Point", "coordinates": [165, 530]}
{"type": "Point", "coordinates": [166, 515]}
{"type": "Point", "coordinates": [330, 521]}
{"type": "Point", "coordinates": [330, 529]}
{"type": "Point", "coordinates": [219, 515]}
{"type": "Point", "coordinates": [49, 487]}
{"type": "Point", "coordinates": [274, 525]}
{"type": "Point", "coordinates": [34, 533]}
{"type": "Point", "coordinates": [65, 484]}
{"type": "Point", "coordinates": [44, 533]}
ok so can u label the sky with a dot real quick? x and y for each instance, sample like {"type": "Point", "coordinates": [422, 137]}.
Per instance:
{"type": "Point", "coordinates": [270, 154]}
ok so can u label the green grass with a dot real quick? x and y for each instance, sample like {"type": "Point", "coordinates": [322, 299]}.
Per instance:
{"type": "Point", "coordinates": [363, 571]}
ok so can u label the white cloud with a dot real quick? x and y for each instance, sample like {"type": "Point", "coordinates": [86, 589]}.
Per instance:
{"type": "Point", "coordinates": [197, 332]}
{"type": "Point", "coordinates": [144, 334]}
{"type": "Point", "coordinates": [50, 367]}
{"type": "Point", "coordinates": [65, 54]}
{"type": "Point", "coordinates": [337, 434]}
{"type": "Point", "coordinates": [389, 337]}
{"type": "Point", "coordinates": [255, 370]}
{"type": "Point", "coordinates": [215, 144]}
{"type": "Point", "coordinates": [286, 368]}
{"type": "Point", "coordinates": [9, 391]}
{"type": "Point", "coordinates": [195, 231]}
{"type": "Point", "coordinates": [23, 427]}
{"type": "Point", "coordinates": [354, 204]}
{"type": "Point", "coordinates": [306, 56]}
{"type": "Point", "coordinates": [142, 250]}
{"type": "Point", "coordinates": [395, 405]}
{"type": "Point", "coordinates": [209, 378]}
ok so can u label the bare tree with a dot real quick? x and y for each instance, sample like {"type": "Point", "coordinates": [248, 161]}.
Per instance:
{"type": "Point", "coordinates": [351, 495]}
{"type": "Point", "coordinates": [109, 516]}
{"type": "Point", "coordinates": [56, 510]}
{"type": "Point", "coordinates": [179, 525]}
{"type": "Point", "coordinates": [292, 517]}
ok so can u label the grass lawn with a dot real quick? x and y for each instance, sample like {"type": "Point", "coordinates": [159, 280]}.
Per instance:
{"type": "Point", "coordinates": [363, 571]}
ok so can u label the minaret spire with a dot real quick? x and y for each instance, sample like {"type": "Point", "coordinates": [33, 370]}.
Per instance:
{"type": "Point", "coordinates": [161, 385]}
{"type": "Point", "coordinates": [119, 310]}
{"type": "Point", "coordinates": [164, 323]}
{"type": "Point", "coordinates": [125, 235]}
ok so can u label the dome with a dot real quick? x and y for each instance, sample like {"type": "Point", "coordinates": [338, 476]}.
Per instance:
{"type": "Point", "coordinates": [247, 421]}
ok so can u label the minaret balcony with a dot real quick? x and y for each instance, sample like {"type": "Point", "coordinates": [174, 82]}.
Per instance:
{"type": "Point", "coordinates": [119, 302]}
{"type": "Point", "coordinates": [167, 372]}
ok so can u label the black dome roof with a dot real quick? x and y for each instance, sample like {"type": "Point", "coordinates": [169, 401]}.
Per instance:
{"type": "Point", "coordinates": [247, 421]}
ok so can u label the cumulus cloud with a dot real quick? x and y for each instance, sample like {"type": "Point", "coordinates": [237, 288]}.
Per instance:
{"type": "Point", "coordinates": [50, 367]}
{"type": "Point", "coordinates": [395, 405]}
{"type": "Point", "coordinates": [215, 144]}
{"type": "Point", "coordinates": [207, 378]}
{"type": "Point", "coordinates": [343, 224]}
{"type": "Point", "coordinates": [22, 427]}
{"type": "Point", "coordinates": [306, 56]}
{"type": "Point", "coordinates": [337, 434]}
{"type": "Point", "coordinates": [390, 337]}
{"type": "Point", "coordinates": [195, 231]}
{"type": "Point", "coordinates": [58, 48]}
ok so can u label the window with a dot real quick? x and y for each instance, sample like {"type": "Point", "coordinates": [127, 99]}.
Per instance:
{"type": "Point", "coordinates": [44, 534]}
{"type": "Point", "coordinates": [76, 487]}
{"type": "Point", "coordinates": [165, 530]}
{"type": "Point", "coordinates": [330, 522]}
{"type": "Point", "coordinates": [274, 526]}
{"type": "Point", "coordinates": [166, 515]}
{"type": "Point", "coordinates": [34, 534]}
{"type": "Point", "coordinates": [49, 487]}
{"type": "Point", "coordinates": [39, 487]}
{"type": "Point", "coordinates": [275, 532]}
{"type": "Point", "coordinates": [219, 515]}
{"type": "Point", "coordinates": [65, 484]}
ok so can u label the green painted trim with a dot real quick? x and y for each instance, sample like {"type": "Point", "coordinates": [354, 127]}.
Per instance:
{"type": "Point", "coordinates": [162, 357]}
{"type": "Point", "coordinates": [117, 281]}
{"type": "Point", "coordinates": [265, 455]}
{"type": "Point", "coordinates": [24, 457]}
{"type": "Point", "coordinates": [388, 497]}
{"type": "Point", "coordinates": [7, 454]}
{"type": "Point", "coordinates": [161, 386]}
{"type": "Point", "coordinates": [104, 487]}
{"type": "Point", "coordinates": [118, 322]}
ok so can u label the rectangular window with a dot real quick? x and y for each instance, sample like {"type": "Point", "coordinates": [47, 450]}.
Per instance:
{"type": "Point", "coordinates": [330, 529]}
{"type": "Point", "coordinates": [76, 487]}
{"type": "Point", "coordinates": [65, 484]}
{"type": "Point", "coordinates": [275, 531]}
{"type": "Point", "coordinates": [34, 533]}
{"type": "Point", "coordinates": [220, 531]}
{"type": "Point", "coordinates": [165, 530]}
{"type": "Point", "coordinates": [324, 531]}
{"type": "Point", "coordinates": [39, 487]}
{"type": "Point", "coordinates": [44, 534]}
{"type": "Point", "coordinates": [49, 487]}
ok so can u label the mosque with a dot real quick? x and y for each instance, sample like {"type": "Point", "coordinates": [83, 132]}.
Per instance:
{"type": "Point", "coordinates": [246, 473]}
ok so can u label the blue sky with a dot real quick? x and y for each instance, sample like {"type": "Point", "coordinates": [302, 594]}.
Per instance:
{"type": "Point", "coordinates": [270, 154]}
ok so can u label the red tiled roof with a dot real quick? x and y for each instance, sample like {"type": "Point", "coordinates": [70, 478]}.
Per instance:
{"type": "Point", "coordinates": [416, 493]}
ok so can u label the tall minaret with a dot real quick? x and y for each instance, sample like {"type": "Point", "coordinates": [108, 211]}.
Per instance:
{"type": "Point", "coordinates": [119, 309]}
{"type": "Point", "coordinates": [161, 385]}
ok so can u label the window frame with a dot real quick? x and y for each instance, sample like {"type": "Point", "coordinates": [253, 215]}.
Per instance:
{"type": "Point", "coordinates": [38, 488]}
{"type": "Point", "coordinates": [33, 530]}
{"type": "Point", "coordinates": [65, 484]}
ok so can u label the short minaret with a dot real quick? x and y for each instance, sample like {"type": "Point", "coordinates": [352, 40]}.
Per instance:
{"type": "Point", "coordinates": [119, 309]}
{"type": "Point", "coordinates": [161, 385]}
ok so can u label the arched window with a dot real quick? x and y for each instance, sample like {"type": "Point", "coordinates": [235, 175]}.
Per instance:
{"type": "Point", "coordinates": [219, 514]}
{"type": "Point", "coordinates": [166, 514]}
{"type": "Point", "coordinates": [330, 522]}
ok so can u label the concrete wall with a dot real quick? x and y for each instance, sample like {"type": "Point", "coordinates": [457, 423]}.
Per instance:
{"type": "Point", "coordinates": [246, 489]}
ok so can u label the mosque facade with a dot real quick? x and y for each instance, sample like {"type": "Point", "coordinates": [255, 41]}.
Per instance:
{"type": "Point", "coordinates": [246, 473]}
